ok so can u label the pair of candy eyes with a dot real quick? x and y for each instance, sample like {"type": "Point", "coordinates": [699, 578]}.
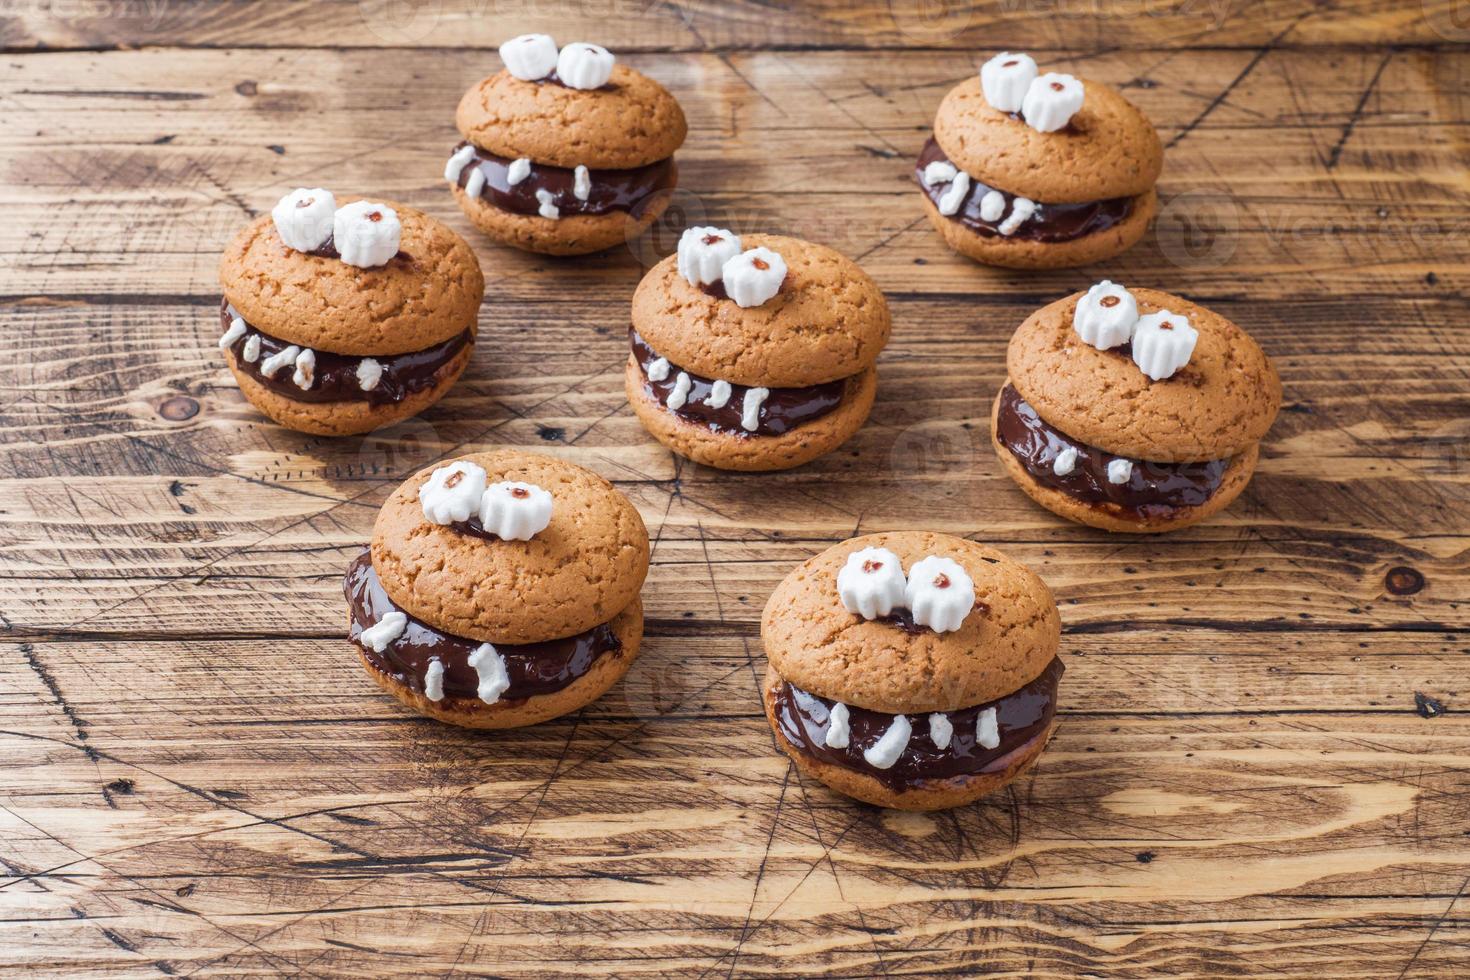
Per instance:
{"type": "Point", "coordinates": [371, 215]}
{"type": "Point", "coordinates": [941, 581]}
{"type": "Point", "coordinates": [1055, 86]}
{"type": "Point", "coordinates": [760, 264]}
{"type": "Point", "coordinates": [520, 493]}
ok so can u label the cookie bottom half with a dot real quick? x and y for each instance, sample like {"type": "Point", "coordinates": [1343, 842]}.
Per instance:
{"type": "Point", "coordinates": [572, 234]}
{"type": "Point", "coordinates": [752, 453]}
{"type": "Point", "coordinates": [1018, 253]}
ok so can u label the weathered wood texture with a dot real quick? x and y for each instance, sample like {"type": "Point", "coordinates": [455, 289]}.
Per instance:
{"type": "Point", "coordinates": [195, 778]}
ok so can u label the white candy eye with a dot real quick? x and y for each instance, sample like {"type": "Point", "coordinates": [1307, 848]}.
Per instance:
{"type": "Point", "coordinates": [1163, 342]}
{"type": "Point", "coordinates": [1005, 79]}
{"type": "Point", "coordinates": [366, 234]}
{"type": "Point", "coordinates": [703, 252]}
{"type": "Point", "coordinates": [753, 276]}
{"type": "Point", "coordinates": [1105, 317]}
{"type": "Point", "coordinates": [584, 66]}
{"type": "Point", "coordinates": [452, 493]}
{"type": "Point", "coordinates": [529, 57]}
{"type": "Point", "coordinates": [871, 583]}
{"type": "Point", "coordinates": [940, 593]}
{"type": "Point", "coordinates": [515, 511]}
{"type": "Point", "coordinates": [303, 218]}
{"type": "Point", "coordinates": [1051, 101]}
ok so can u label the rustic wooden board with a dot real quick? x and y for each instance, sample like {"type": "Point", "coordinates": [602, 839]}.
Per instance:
{"type": "Point", "coordinates": [1263, 767]}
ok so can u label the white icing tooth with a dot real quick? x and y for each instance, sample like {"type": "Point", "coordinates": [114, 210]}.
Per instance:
{"type": "Point", "coordinates": [303, 218]}
{"type": "Point", "coordinates": [949, 202]}
{"type": "Point", "coordinates": [883, 753]}
{"type": "Point", "coordinates": [987, 729]}
{"type": "Point", "coordinates": [548, 208]}
{"type": "Point", "coordinates": [530, 57]}
{"type": "Point", "coordinates": [585, 66]}
{"type": "Point", "coordinates": [1022, 209]}
{"type": "Point", "coordinates": [377, 636]}
{"type": "Point", "coordinates": [940, 593]}
{"type": "Point", "coordinates": [658, 370]}
{"type": "Point", "coordinates": [434, 680]}
{"type": "Point", "coordinates": [457, 162]}
{"type": "Point", "coordinates": [750, 409]}
{"type": "Point", "coordinates": [581, 183]}
{"type": "Point", "coordinates": [452, 492]}
{"type": "Point", "coordinates": [871, 583]}
{"type": "Point", "coordinates": [305, 373]}
{"type": "Point", "coordinates": [514, 511]}
{"type": "Point", "coordinates": [939, 172]}
{"type": "Point", "coordinates": [719, 395]}
{"type": "Point", "coordinates": [1005, 79]}
{"type": "Point", "coordinates": [1106, 315]}
{"type": "Point", "coordinates": [1066, 462]}
{"type": "Point", "coordinates": [680, 394]}
{"type": "Point", "coordinates": [1051, 101]}
{"type": "Point", "coordinates": [369, 373]}
{"type": "Point", "coordinates": [1163, 342]}
{"type": "Point", "coordinates": [703, 252]}
{"type": "Point", "coordinates": [992, 205]}
{"type": "Point", "coordinates": [519, 170]}
{"type": "Point", "coordinates": [489, 666]}
{"type": "Point", "coordinates": [236, 331]}
{"type": "Point", "coordinates": [475, 184]}
{"type": "Point", "coordinates": [838, 733]}
{"type": "Point", "coordinates": [753, 276]}
{"type": "Point", "coordinates": [941, 730]}
{"type": "Point", "coordinates": [366, 234]}
{"type": "Point", "coordinates": [1120, 471]}
{"type": "Point", "coordinates": [271, 366]}
{"type": "Point", "coordinates": [251, 351]}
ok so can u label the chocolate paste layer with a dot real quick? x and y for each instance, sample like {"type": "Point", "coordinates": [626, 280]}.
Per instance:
{"type": "Point", "coordinates": [1154, 490]}
{"type": "Point", "coordinates": [611, 190]}
{"type": "Point", "coordinates": [533, 668]}
{"type": "Point", "coordinates": [1020, 716]}
{"type": "Point", "coordinates": [336, 374]}
{"type": "Point", "coordinates": [782, 411]}
{"type": "Point", "coordinates": [1050, 223]}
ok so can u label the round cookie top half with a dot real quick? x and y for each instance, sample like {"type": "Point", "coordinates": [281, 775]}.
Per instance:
{"type": "Point", "coordinates": [1109, 149]}
{"type": "Point", "coordinates": [429, 293]}
{"type": "Point", "coordinates": [585, 567]}
{"type": "Point", "coordinates": [1007, 640]}
{"type": "Point", "coordinates": [631, 121]}
{"type": "Point", "coordinates": [1217, 405]}
{"type": "Point", "coordinates": [828, 320]}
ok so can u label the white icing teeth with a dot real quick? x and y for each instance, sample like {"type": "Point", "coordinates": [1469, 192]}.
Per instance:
{"type": "Point", "coordinates": [434, 680]}
{"type": "Point", "coordinates": [251, 351]}
{"type": "Point", "coordinates": [452, 493]}
{"type": "Point", "coordinates": [838, 733]}
{"type": "Point", "coordinates": [1066, 462]}
{"type": "Point", "coordinates": [680, 394]}
{"type": "Point", "coordinates": [305, 373]}
{"type": "Point", "coordinates": [1120, 471]}
{"type": "Point", "coordinates": [475, 184]}
{"type": "Point", "coordinates": [987, 729]}
{"type": "Point", "coordinates": [303, 218]}
{"type": "Point", "coordinates": [584, 66]}
{"type": "Point", "coordinates": [883, 753]}
{"type": "Point", "coordinates": [236, 331]}
{"type": "Point", "coordinates": [750, 409]}
{"type": "Point", "coordinates": [457, 162]}
{"type": "Point", "coordinates": [1163, 342]}
{"type": "Point", "coordinates": [1005, 80]}
{"type": "Point", "coordinates": [939, 172]}
{"type": "Point", "coordinates": [1105, 316]}
{"type": "Point", "coordinates": [992, 206]}
{"type": "Point", "coordinates": [366, 234]}
{"type": "Point", "coordinates": [949, 202]}
{"type": "Point", "coordinates": [1021, 211]}
{"type": "Point", "coordinates": [489, 666]}
{"type": "Point", "coordinates": [581, 183]}
{"type": "Point", "coordinates": [519, 170]}
{"type": "Point", "coordinates": [719, 394]}
{"type": "Point", "coordinates": [939, 594]}
{"type": "Point", "coordinates": [377, 636]}
{"type": "Point", "coordinates": [547, 202]}
{"type": "Point", "coordinates": [753, 276]}
{"type": "Point", "coordinates": [941, 730]}
{"type": "Point", "coordinates": [658, 370]}
{"type": "Point", "coordinates": [530, 57]}
{"type": "Point", "coordinates": [515, 511]}
{"type": "Point", "coordinates": [369, 373]}
{"type": "Point", "coordinates": [871, 583]}
{"type": "Point", "coordinates": [703, 252]}
{"type": "Point", "coordinates": [1051, 101]}
{"type": "Point", "coordinates": [271, 366]}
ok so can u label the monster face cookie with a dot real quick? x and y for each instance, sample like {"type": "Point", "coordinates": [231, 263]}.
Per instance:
{"type": "Point", "coordinates": [501, 589]}
{"type": "Point", "coordinates": [754, 353]}
{"type": "Point", "coordinates": [912, 670]}
{"type": "Point", "coordinates": [1038, 171]}
{"type": "Point", "coordinates": [564, 152]}
{"type": "Point", "coordinates": [1133, 410]}
{"type": "Point", "coordinates": [339, 320]}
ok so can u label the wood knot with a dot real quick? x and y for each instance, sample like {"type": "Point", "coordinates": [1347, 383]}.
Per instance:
{"type": "Point", "coordinates": [179, 408]}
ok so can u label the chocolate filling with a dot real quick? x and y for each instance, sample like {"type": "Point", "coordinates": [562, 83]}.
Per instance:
{"type": "Point", "coordinates": [1021, 717]}
{"type": "Point", "coordinates": [1050, 223]}
{"type": "Point", "coordinates": [611, 190]}
{"type": "Point", "coordinates": [783, 410]}
{"type": "Point", "coordinates": [336, 374]}
{"type": "Point", "coordinates": [533, 668]}
{"type": "Point", "coordinates": [1153, 490]}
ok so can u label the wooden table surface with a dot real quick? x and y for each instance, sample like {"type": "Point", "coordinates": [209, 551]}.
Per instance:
{"type": "Point", "coordinates": [1263, 765]}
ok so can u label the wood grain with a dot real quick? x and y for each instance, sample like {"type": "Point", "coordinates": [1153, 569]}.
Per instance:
{"type": "Point", "coordinates": [1262, 762]}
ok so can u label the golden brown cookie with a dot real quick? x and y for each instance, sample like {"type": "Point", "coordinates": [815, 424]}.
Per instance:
{"type": "Point", "coordinates": [912, 669]}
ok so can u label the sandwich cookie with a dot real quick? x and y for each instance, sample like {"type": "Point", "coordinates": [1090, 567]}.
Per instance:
{"type": "Point", "coordinates": [565, 151]}
{"type": "Point", "coordinates": [911, 669]}
{"type": "Point", "coordinates": [500, 590]}
{"type": "Point", "coordinates": [754, 352]}
{"type": "Point", "coordinates": [1038, 171]}
{"type": "Point", "coordinates": [1132, 410]}
{"type": "Point", "coordinates": [342, 319]}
